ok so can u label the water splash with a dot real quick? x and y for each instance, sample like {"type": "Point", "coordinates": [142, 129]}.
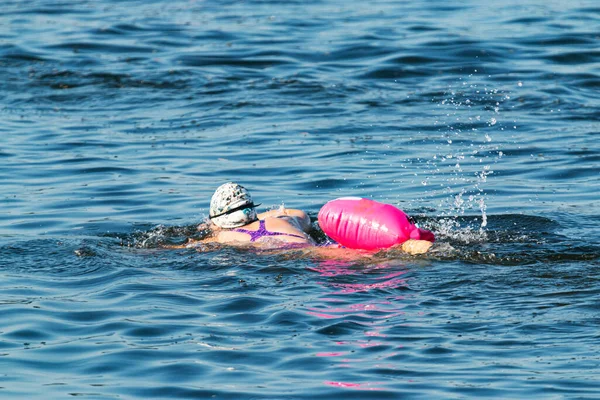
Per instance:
{"type": "Point", "coordinates": [161, 235]}
{"type": "Point", "coordinates": [471, 114]}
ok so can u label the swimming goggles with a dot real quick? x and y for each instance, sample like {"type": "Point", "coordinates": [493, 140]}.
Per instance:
{"type": "Point", "coordinates": [243, 206]}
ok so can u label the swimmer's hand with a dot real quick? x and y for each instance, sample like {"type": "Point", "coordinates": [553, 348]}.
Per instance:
{"type": "Point", "coordinates": [415, 247]}
{"type": "Point", "coordinates": [204, 226]}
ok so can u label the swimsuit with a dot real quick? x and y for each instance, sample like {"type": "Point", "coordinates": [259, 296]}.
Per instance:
{"type": "Point", "coordinates": [262, 231]}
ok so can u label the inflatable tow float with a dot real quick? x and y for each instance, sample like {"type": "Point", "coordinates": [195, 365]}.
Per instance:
{"type": "Point", "coordinates": [365, 224]}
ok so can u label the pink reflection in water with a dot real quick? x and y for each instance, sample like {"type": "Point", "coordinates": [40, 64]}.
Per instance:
{"type": "Point", "coordinates": [375, 333]}
{"type": "Point", "coordinates": [343, 384]}
{"type": "Point", "coordinates": [332, 354]}
{"type": "Point", "coordinates": [365, 287]}
{"type": "Point", "coordinates": [333, 316]}
{"type": "Point", "coordinates": [333, 268]}
{"type": "Point", "coordinates": [343, 312]}
{"type": "Point", "coordinates": [361, 386]}
{"type": "Point", "coordinates": [345, 277]}
{"type": "Point", "coordinates": [351, 308]}
{"type": "Point", "coordinates": [321, 315]}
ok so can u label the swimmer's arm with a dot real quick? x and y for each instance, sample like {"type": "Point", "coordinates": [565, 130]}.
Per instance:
{"type": "Point", "coordinates": [190, 243]}
{"type": "Point", "coordinates": [412, 247]}
{"type": "Point", "coordinates": [415, 247]}
{"type": "Point", "coordinates": [173, 246]}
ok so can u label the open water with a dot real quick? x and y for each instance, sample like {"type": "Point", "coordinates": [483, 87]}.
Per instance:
{"type": "Point", "coordinates": [118, 119]}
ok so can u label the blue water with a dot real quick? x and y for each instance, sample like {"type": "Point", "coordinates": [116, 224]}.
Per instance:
{"type": "Point", "coordinates": [118, 119]}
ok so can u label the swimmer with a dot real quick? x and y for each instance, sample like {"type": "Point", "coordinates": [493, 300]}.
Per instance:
{"type": "Point", "coordinates": [233, 220]}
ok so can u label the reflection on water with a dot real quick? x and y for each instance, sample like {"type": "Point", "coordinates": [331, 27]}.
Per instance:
{"type": "Point", "coordinates": [373, 315]}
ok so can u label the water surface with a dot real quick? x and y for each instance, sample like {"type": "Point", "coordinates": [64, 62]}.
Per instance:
{"type": "Point", "coordinates": [120, 118]}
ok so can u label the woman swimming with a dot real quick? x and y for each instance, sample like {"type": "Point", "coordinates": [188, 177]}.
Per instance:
{"type": "Point", "coordinates": [234, 221]}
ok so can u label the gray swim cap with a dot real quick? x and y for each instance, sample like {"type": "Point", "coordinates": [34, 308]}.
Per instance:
{"type": "Point", "coordinates": [231, 206]}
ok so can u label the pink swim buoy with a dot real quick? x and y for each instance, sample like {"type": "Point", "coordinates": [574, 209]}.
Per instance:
{"type": "Point", "coordinates": [358, 223]}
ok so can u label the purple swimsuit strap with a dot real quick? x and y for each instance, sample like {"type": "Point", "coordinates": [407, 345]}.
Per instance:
{"type": "Point", "coordinates": [262, 231]}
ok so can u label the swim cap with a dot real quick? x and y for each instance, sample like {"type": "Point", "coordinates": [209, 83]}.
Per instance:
{"type": "Point", "coordinates": [231, 206]}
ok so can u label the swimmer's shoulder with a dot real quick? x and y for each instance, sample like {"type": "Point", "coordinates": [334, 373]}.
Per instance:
{"type": "Point", "coordinates": [282, 212]}
{"type": "Point", "coordinates": [298, 218]}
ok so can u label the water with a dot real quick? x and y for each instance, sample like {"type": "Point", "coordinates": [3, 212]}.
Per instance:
{"type": "Point", "coordinates": [120, 118]}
